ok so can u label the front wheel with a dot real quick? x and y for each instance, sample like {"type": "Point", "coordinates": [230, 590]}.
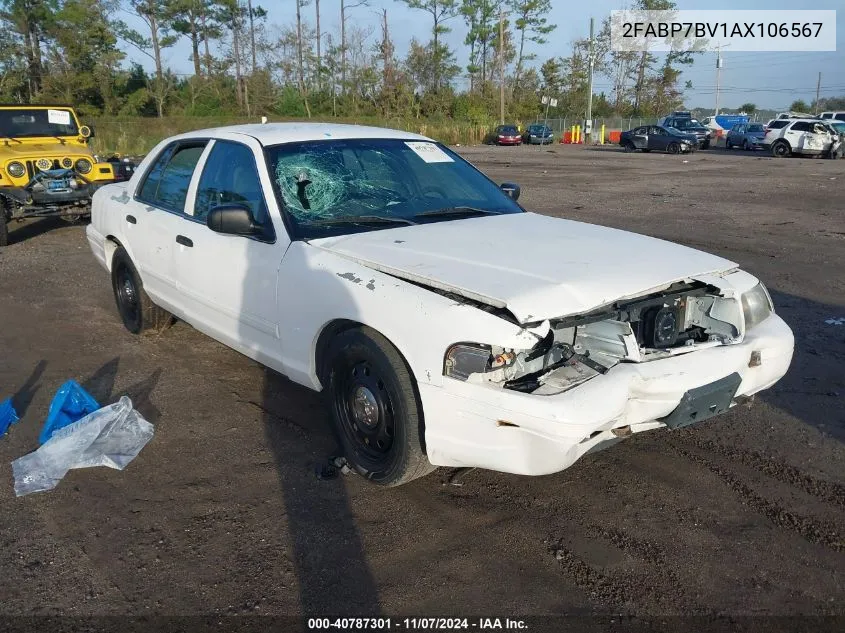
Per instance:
{"type": "Point", "coordinates": [375, 409]}
{"type": "Point", "coordinates": [745, 145]}
{"type": "Point", "coordinates": [137, 311]}
{"type": "Point", "coordinates": [673, 148]}
{"type": "Point", "coordinates": [628, 146]}
{"type": "Point", "coordinates": [4, 227]}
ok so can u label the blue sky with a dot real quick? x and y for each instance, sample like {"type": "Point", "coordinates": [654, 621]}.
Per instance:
{"type": "Point", "coordinates": [770, 80]}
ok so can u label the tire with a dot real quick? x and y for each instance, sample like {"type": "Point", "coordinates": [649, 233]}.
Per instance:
{"type": "Point", "coordinates": [137, 311]}
{"type": "Point", "coordinates": [646, 151]}
{"type": "Point", "coordinates": [728, 143]}
{"type": "Point", "coordinates": [375, 409]}
{"type": "Point", "coordinates": [673, 148]}
{"type": "Point", "coordinates": [628, 146]}
{"type": "Point", "coordinates": [781, 149]}
{"type": "Point", "coordinates": [4, 227]}
{"type": "Point", "coordinates": [706, 145]}
{"type": "Point", "coordinates": [745, 145]}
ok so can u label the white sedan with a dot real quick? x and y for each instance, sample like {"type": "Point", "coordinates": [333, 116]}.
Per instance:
{"type": "Point", "coordinates": [446, 325]}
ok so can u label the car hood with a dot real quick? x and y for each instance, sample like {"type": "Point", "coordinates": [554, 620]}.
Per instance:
{"type": "Point", "coordinates": [26, 149]}
{"type": "Point", "coordinates": [535, 266]}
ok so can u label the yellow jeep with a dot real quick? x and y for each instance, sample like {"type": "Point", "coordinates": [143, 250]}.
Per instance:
{"type": "Point", "coordinates": [46, 166]}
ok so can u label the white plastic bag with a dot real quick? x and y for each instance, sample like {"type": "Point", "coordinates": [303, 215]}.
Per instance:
{"type": "Point", "coordinates": [112, 436]}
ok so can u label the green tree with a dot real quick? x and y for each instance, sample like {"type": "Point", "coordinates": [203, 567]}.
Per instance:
{"type": "Point", "coordinates": [531, 25]}
{"type": "Point", "coordinates": [30, 21]}
{"type": "Point", "coordinates": [799, 106]}
{"type": "Point", "coordinates": [748, 108]}
{"type": "Point", "coordinates": [440, 11]}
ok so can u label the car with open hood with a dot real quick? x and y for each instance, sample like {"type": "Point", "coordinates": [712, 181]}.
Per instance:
{"type": "Point", "coordinates": [46, 166]}
{"type": "Point", "coordinates": [445, 324]}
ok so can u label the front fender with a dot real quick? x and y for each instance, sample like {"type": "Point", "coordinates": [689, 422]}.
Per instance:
{"type": "Point", "coordinates": [317, 287]}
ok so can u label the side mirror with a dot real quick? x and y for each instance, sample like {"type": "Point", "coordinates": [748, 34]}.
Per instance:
{"type": "Point", "coordinates": [232, 219]}
{"type": "Point", "coordinates": [512, 189]}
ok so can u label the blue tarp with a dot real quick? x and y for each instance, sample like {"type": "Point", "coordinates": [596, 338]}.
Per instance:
{"type": "Point", "coordinates": [8, 415]}
{"type": "Point", "coordinates": [70, 404]}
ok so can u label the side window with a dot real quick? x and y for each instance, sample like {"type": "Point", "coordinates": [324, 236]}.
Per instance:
{"type": "Point", "coordinates": [840, 116]}
{"type": "Point", "coordinates": [167, 182]}
{"type": "Point", "coordinates": [800, 126]}
{"type": "Point", "coordinates": [230, 177]}
{"type": "Point", "coordinates": [657, 131]}
{"type": "Point", "coordinates": [641, 130]}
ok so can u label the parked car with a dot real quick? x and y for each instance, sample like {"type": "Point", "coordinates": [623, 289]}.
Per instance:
{"type": "Point", "coordinates": [446, 325]}
{"type": "Point", "coordinates": [507, 135]}
{"type": "Point", "coordinates": [684, 122]}
{"type": "Point", "coordinates": [805, 137]}
{"type": "Point", "coordinates": [840, 116]}
{"type": "Point", "coordinates": [539, 135]}
{"type": "Point", "coordinates": [46, 166]}
{"type": "Point", "coordinates": [745, 135]}
{"type": "Point", "coordinates": [657, 137]}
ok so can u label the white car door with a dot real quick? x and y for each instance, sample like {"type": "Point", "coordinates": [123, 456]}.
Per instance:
{"type": "Point", "coordinates": [228, 282]}
{"type": "Point", "coordinates": [153, 219]}
{"type": "Point", "coordinates": [795, 134]}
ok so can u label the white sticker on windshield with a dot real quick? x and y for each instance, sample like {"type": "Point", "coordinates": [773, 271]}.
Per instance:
{"type": "Point", "coordinates": [429, 152]}
{"type": "Point", "coordinates": [58, 117]}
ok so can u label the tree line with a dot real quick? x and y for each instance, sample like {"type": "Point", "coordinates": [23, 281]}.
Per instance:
{"type": "Point", "coordinates": [88, 53]}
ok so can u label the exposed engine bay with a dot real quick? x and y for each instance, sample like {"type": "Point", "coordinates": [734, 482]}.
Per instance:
{"type": "Point", "coordinates": [681, 319]}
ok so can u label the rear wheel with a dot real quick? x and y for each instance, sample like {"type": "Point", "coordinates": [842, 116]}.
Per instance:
{"type": "Point", "coordinates": [673, 148]}
{"type": "Point", "coordinates": [137, 311]}
{"type": "Point", "coordinates": [745, 145]}
{"type": "Point", "coordinates": [375, 409]}
{"type": "Point", "coordinates": [781, 149]}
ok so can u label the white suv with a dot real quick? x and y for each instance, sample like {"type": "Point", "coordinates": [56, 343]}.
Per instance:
{"type": "Point", "coordinates": [807, 137]}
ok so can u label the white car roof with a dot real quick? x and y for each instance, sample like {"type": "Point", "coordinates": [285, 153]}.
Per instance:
{"type": "Point", "coordinates": [277, 133]}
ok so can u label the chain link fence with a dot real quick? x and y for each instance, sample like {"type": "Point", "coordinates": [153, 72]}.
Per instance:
{"type": "Point", "coordinates": [563, 124]}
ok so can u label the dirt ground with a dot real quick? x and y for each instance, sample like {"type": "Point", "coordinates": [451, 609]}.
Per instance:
{"type": "Point", "coordinates": [222, 513]}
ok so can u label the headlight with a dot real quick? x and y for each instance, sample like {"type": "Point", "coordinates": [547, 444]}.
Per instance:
{"type": "Point", "coordinates": [43, 163]}
{"type": "Point", "coordinates": [16, 169]}
{"type": "Point", "coordinates": [464, 359]}
{"type": "Point", "coordinates": [83, 165]}
{"type": "Point", "coordinates": [67, 162]}
{"type": "Point", "coordinates": [756, 306]}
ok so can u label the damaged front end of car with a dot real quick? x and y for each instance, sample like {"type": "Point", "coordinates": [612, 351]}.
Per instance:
{"type": "Point", "coordinates": [683, 318]}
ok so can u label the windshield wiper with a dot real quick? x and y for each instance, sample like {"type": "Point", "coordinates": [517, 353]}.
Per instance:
{"type": "Point", "coordinates": [361, 219]}
{"type": "Point", "coordinates": [461, 211]}
{"type": "Point", "coordinates": [12, 138]}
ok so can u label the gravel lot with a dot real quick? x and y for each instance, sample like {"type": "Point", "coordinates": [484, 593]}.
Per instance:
{"type": "Point", "coordinates": [222, 513]}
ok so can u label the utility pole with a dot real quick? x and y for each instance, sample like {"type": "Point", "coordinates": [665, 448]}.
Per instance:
{"type": "Point", "coordinates": [818, 90]}
{"type": "Point", "coordinates": [501, 66]}
{"type": "Point", "coordinates": [589, 123]}
{"type": "Point", "coordinates": [718, 75]}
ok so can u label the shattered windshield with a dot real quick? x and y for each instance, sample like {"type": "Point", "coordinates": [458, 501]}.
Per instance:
{"type": "Point", "coordinates": [20, 122]}
{"type": "Point", "coordinates": [334, 187]}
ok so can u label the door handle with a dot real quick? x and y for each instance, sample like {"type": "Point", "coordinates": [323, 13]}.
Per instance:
{"type": "Point", "coordinates": [184, 241]}
{"type": "Point", "coordinates": [131, 219]}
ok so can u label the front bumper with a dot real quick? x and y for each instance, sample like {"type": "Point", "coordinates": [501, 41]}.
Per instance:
{"type": "Point", "coordinates": [27, 203]}
{"type": "Point", "coordinates": [499, 429]}
{"type": "Point", "coordinates": [509, 141]}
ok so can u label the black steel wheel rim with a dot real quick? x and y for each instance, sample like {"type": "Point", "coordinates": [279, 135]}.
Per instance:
{"type": "Point", "coordinates": [673, 148]}
{"type": "Point", "coordinates": [127, 297]}
{"type": "Point", "coordinates": [364, 409]}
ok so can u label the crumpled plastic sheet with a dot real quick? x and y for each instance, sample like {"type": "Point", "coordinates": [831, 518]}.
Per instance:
{"type": "Point", "coordinates": [111, 436]}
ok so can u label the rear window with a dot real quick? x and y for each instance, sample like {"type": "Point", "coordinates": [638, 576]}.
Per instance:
{"type": "Point", "coordinates": [756, 127]}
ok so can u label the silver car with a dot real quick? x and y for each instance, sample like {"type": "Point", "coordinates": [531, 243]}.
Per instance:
{"type": "Point", "coordinates": [746, 135]}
